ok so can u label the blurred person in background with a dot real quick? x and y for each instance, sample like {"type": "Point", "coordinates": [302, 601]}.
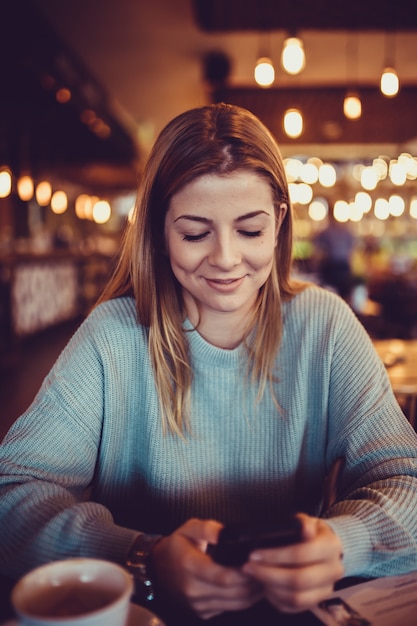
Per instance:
{"type": "Point", "coordinates": [333, 248]}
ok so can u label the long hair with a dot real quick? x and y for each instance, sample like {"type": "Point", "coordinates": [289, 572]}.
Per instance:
{"type": "Point", "coordinates": [213, 139]}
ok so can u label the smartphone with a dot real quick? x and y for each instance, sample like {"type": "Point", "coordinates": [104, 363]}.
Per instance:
{"type": "Point", "coordinates": [237, 541]}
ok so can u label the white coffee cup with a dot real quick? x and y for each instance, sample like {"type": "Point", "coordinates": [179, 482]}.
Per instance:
{"type": "Point", "coordinates": [74, 592]}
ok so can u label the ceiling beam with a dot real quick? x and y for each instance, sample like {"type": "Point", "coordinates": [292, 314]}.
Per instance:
{"type": "Point", "coordinates": [241, 15]}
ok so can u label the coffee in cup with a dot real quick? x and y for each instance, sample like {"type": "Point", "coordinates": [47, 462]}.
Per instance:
{"type": "Point", "coordinates": [74, 592]}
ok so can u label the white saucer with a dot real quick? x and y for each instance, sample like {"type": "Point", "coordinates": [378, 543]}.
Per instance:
{"type": "Point", "coordinates": [138, 616]}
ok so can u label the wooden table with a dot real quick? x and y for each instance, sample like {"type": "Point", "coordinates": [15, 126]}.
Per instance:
{"type": "Point", "coordinates": [400, 359]}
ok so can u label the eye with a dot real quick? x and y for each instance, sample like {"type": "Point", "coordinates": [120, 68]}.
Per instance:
{"type": "Point", "coordinates": [251, 233]}
{"type": "Point", "coordinates": [198, 237]}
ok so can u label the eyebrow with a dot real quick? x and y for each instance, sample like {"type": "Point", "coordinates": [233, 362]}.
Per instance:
{"type": "Point", "coordinates": [205, 220]}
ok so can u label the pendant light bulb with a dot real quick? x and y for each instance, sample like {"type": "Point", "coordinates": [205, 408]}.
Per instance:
{"type": "Point", "coordinates": [25, 188]}
{"type": "Point", "coordinates": [59, 202]}
{"type": "Point", "coordinates": [43, 193]}
{"type": "Point", "coordinates": [352, 106]}
{"type": "Point", "coordinates": [264, 72]}
{"type": "Point", "coordinates": [293, 123]}
{"type": "Point", "coordinates": [293, 58]}
{"type": "Point", "coordinates": [390, 83]}
{"type": "Point", "coordinates": [5, 183]}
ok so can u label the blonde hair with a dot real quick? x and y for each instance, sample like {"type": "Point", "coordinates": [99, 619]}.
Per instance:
{"type": "Point", "coordinates": [213, 139]}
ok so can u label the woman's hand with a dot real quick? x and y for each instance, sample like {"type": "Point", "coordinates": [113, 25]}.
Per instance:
{"type": "Point", "coordinates": [295, 578]}
{"type": "Point", "coordinates": [187, 574]}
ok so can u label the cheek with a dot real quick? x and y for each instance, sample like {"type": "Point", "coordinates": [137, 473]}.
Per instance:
{"type": "Point", "coordinates": [184, 258]}
{"type": "Point", "coordinates": [264, 255]}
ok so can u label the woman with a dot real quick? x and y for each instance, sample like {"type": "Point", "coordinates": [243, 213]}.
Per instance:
{"type": "Point", "coordinates": [208, 387]}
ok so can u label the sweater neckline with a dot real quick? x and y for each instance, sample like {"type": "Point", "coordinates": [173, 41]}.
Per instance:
{"type": "Point", "coordinates": [207, 353]}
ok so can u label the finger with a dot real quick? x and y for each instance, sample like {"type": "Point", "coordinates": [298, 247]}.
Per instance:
{"type": "Point", "coordinates": [205, 591]}
{"type": "Point", "coordinates": [294, 557]}
{"type": "Point", "coordinates": [207, 599]}
{"type": "Point", "coordinates": [323, 545]}
{"type": "Point", "coordinates": [309, 526]}
{"type": "Point", "coordinates": [209, 606]}
{"type": "Point", "coordinates": [295, 579]}
{"type": "Point", "coordinates": [295, 589]}
{"type": "Point", "coordinates": [224, 577]}
{"type": "Point", "coordinates": [201, 567]}
{"type": "Point", "coordinates": [295, 602]}
{"type": "Point", "coordinates": [201, 532]}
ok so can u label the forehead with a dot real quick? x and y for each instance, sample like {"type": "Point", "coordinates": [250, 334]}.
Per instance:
{"type": "Point", "coordinates": [240, 187]}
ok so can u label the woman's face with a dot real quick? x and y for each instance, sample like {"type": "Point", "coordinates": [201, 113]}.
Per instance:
{"type": "Point", "coordinates": [220, 233]}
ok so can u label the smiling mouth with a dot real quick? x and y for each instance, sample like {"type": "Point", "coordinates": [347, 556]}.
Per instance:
{"type": "Point", "coordinates": [223, 281]}
{"type": "Point", "coordinates": [225, 285]}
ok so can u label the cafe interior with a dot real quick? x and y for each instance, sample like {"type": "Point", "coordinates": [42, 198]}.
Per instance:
{"type": "Point", "coordinates": [87, 85]}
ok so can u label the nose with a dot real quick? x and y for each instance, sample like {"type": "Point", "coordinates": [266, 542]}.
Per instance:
{"type": "Point", "coordinates": [225, 253]}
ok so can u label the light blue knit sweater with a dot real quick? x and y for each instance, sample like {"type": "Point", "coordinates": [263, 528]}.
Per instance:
{"type": "Point", "coordinates": [88, 465]}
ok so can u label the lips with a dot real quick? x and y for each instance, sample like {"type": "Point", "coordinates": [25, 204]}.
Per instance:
{"type": "Point", "coordinates": [224, 284]}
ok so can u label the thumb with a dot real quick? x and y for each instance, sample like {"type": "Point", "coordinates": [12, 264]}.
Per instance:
{"type": "Point", "coordinates": [309, 526]}
{"type": "Point", "coordinates": [201, 532]}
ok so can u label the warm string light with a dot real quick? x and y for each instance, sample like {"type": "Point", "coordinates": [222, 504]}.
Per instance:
{"type": "Point", "coordinates": [293, 58]}
{"type": "Point", "coordinates": [25, 188]}
{"type": "Point", "coordinates": [264, 72]}
{"type": "Point", "coordinates": [390, 83]}
{"type": "Point", "coordinates": [5, 183]}
{"type": "Point", "coordinates": [352, 105]}
{"type": "Point", "coordinates": [293, 123]}
{"type": "Point", "coordinates": [59, 202]}
{"type": "Point", "coordinates": [86, 207]}
{"type": "Point", "coordinates": [101, 212]}
{"type": "Point", "coordinates": [92, 208]}
{"type": "Point", "coordinates": [43, 193]}
{"type": "Point", "coordinates": [293, 62]}
{"type": "Point", "coordinates": [380, 206]}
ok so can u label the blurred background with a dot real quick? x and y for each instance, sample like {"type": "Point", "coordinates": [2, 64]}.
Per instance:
{"type": "Point", "coordinates": [85, 87]}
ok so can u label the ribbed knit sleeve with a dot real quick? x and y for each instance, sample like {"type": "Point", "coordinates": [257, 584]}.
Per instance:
{"type": "Point", "coordinates": [49, 458]}
{"type": "Point", "coordinates": [374, 512]}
